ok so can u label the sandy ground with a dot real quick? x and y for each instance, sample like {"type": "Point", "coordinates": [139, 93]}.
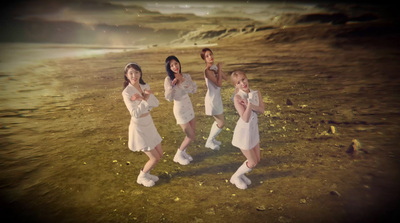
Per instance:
{"type": "Point", "coordinates": [65, 157]}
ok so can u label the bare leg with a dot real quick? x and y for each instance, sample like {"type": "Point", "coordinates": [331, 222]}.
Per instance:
{"type": "Point", "coordinates": [238, 178]}
{"type": "Point", "coordinates": [253, 156]}
{"type": "Point", "coordinates": [159, 150]}
{"type": "Point", "coordinates": [154, 158]}
{"type": "Point", "coordinates": [257, 152]}
{"type": "Point", "coordinates": [220, 120]}
{"type": "Point", "coordinates": [189, 129]}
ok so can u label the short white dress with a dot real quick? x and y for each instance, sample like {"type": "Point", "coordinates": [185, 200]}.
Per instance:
{"type": "Point", "coordinates": [143, 135]}
{"type": "Point", "coordinates": [246, 135]}
{"type": "Point", "coordinates": [212, 100]}
{"type": "Point", "coordinates": [183, 108]}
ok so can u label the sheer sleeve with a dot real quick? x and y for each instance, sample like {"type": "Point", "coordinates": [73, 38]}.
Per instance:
{"type": "Point", "coordinates": [135, 108]}
{"type": "Point", "coordinates": [169, 90]}
{"type": "Point", "coordinates": [189, 86]}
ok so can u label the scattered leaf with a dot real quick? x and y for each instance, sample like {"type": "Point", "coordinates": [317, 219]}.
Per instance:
{"type": "Point", "coordinates": [261, 208]}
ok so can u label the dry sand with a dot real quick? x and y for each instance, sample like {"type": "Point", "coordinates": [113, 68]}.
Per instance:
{"type": "Point", "coordinates": [67, 159]}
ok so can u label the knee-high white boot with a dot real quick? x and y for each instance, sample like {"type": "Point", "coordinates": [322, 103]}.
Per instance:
{"type": "Point", "coordinates": [236, 178]}
{"type": "Point", "coordinates": [213, 133]}
{"type": "Point", "coordinates": [245, 179]}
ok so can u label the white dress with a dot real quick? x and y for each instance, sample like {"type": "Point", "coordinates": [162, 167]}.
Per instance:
{"type": "Point", "coordinates": [212, 100]}
{"type": "Point", "coordinates": [183, 108]}
{"type": "Point", "coordinates": [246, 135]}
{"type": "Point", "coordinates": [143, 135]}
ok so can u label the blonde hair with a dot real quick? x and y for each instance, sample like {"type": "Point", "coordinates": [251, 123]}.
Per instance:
{"type": "Point", "coordinates": [235, 74]}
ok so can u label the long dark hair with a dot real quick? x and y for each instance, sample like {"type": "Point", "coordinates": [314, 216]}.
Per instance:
{"type": "Point", "coordinates": [168, 67]}
{"type": "Point", "coordinates": [136, 67]}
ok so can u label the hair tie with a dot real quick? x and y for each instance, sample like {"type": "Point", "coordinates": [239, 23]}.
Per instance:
{"type": "Point", "coordinates": [132, 63]}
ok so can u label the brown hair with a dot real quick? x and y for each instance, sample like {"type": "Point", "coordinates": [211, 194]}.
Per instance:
{"type": "Point", "coordinates": [235, 74]}
{"type": "Point", "coordinates": [203, 52]}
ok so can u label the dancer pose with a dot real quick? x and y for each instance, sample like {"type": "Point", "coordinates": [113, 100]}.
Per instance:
{"type": "Point", "coordinates": [213, 75]}
{"type": "Point", "coordinates": [143, 135]}
{"type": "Point", "coordinates": [246, 136]}
{"type": "Point", "coordinates": [177, 88]}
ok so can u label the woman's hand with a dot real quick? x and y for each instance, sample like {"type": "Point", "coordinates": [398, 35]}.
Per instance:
{"type": "Point", "coordinates": [148, 91]}
{"type": "Point", "coordinates": [136, 97]}
{"type": "Point", "coordinates": [146, 94]}
{"type": "Point", "coordinates": [220, 72]}
{"type": "Point", "coordinates": [219, 65]}
{"type": "Point", "coordinates": [244, 102]}
{"type": "Point", "coordinates": [175, 81]}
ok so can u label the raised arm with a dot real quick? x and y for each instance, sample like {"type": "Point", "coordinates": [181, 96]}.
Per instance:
{"type": "Point", "coordinates": [260, 108]}
{"type": "Point", "coordinates": [189, 85]}
{"type": "Point", "coordinates": [135, 108]}
{"type": "Point", "coordinates": [169, 90]}
{"type": "Point", "coordinates": [210, 75]}
{"type": "Point", "coordinates": [150, 98]}
{"type": "Point", "coordinates": [220, 72]}
{"type": "Point", "coordinates": [242, 108]}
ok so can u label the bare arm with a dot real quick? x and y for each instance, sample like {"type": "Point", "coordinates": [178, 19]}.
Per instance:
{"type": "Point", "coordinates": [220, 72]}
{"type": "Point", "coordinates": [210, 75]}
{"type": "Point", "coordinates": [260, 108]}
{"type": "Point", "coordinates": [243, 108]}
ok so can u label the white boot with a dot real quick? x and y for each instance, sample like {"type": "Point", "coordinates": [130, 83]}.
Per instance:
{"type": "Point", "coordinates": [236, 178]}
{"type": "Point", "coordinates": [152, 177]}
{"type": "Point", "coordinates": [142, 179]}
{"type": "Point", "coordinates": [245, 179]}
{"type": "Point", "coordinates": [179, 158]}
{"type": "Point", "coordinates": [187, 156]}
{"type": "Point", "coordinates": [217, 142]}
{"type": "Point", "coordinates": [211, 138]}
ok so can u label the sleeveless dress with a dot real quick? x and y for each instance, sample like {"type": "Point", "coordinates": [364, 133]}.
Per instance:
{"type": "Point", "coordinates": [143, 135]}
{"type": "Point", "coordinates": [183, 108]}
{"type": "Point", "coordinates": [212, 100]}
{"type": "Point", "coordinates": [246, 135]}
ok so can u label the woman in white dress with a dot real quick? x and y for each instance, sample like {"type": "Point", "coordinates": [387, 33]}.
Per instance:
{"type": "Point", "coordinates": [143, 135]}
{"type": "Point", "coordinates": [177, 87]}
{"type": "Point", "coordinates": [246, 137]}
{"type": "Point", "coordinates": [213, 75]}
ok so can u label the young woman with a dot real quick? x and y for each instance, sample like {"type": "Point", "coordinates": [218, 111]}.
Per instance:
{"type": "Point", "coordinates": [177, 88]}
{"type": "Point", "coordinates": [143, 135]}
{"type": "Point", "coordinates": [246, 135]}
{"type": "Point", "coordinates": [213, 75]}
